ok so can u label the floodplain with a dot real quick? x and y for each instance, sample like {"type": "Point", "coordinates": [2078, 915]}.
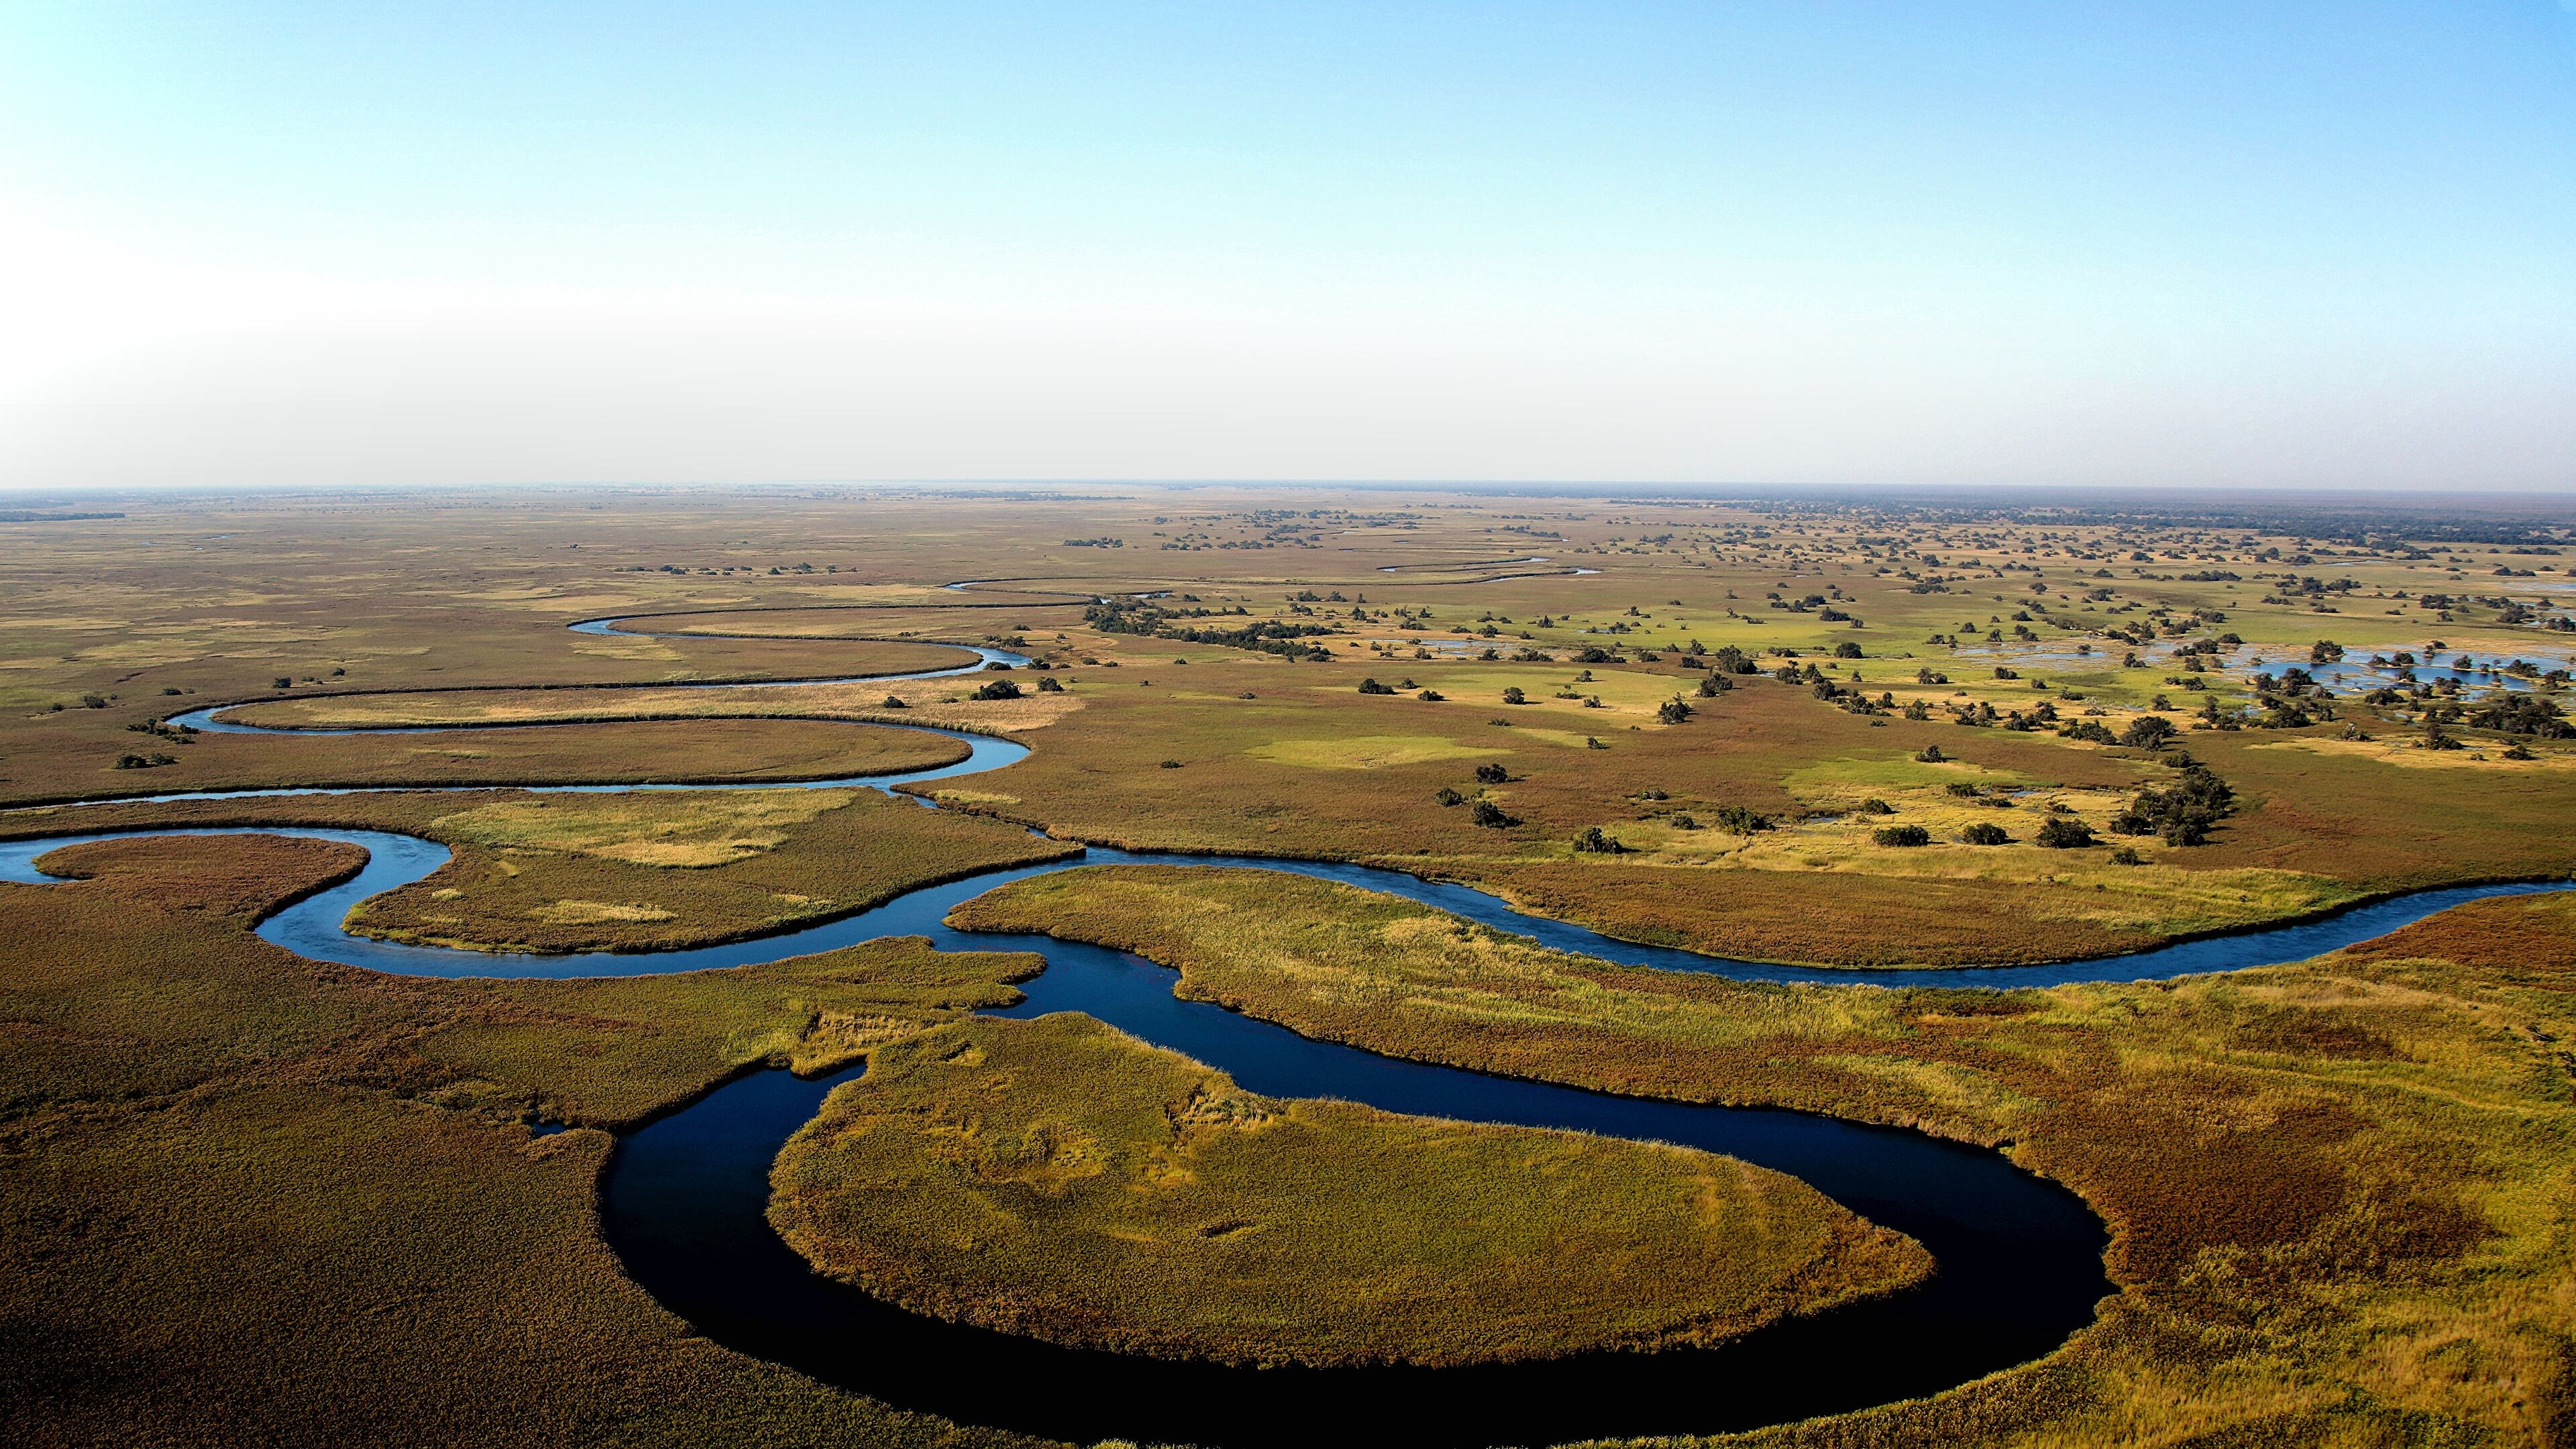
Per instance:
{"type": "Point", "coordinates": [1851, 735]}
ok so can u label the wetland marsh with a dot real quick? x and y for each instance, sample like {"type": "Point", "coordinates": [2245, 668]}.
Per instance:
{"type": "Point", "coordinates": [2262, 1144]}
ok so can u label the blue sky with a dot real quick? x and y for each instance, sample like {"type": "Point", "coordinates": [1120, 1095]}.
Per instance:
{"type": "Point", "coordinates": [2288, 244]}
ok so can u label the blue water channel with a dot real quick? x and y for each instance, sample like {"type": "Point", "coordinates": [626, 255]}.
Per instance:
{"type": "Point", "coordinates": [684, 1199]}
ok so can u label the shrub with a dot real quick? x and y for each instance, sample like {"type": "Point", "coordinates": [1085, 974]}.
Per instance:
{"type": "Point", "coordinates": [1050, 685]}
{"type": "Point", "coordinates": [1672, 712]}
{"type": "Point", "coordinates": [998, 689]}
{"type": "Point", "coordinates": [1431, 696]}
{"type": "Point", "coordinates": [1447, 797]}
{"type": "Point", "coordinates": [894, 701]}
{"type": "Point", "coordinates": [1740, 820]}
{"type": "Point", "coordinates": [1593, 842]}
{"type": "Point", "coordinates": [1903, 835]}
{"type": "Point", "coordinates": [1512, 695]}
{"type": "Point", "coordinates": [1982, 833]}
{"type": "Point", "coordinates": [1964, 789]}
{"type": "Point", "coordinates": [1713, 685]}
{"type": "Point", "coordinates": [1929, 755]}
{"type": "Point", "coordinates": [1685, 822]}
{"type": "Point", "coordinates": [2091, 731]}
{"type": "Point", "coordinates": [1876, 806]}
{"type": "Point", "coordinates": [1847, 650]}
{"type": "Point", "coordinates": [1371, 686]}
{"type": "Point", "coordinates": [1492, 774]}
{"type": "Point", "coordinates": [1491, 816]}
{"type": "Point", "coordinates": [2059, 832]}
{"type": "Point", "coordinates": [2127, 855]}
{"type": "Point", "coordinates": [1171, 764]}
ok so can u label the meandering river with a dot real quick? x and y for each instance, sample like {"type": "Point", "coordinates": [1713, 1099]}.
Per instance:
{"type": "Point", "coordinates": [683, 1201]}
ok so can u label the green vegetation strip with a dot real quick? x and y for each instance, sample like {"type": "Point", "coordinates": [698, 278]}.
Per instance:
{"type": "Point", "coordinates": [1060, 1179]}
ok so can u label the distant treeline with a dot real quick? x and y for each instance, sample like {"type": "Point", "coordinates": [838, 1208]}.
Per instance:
{"type": "Point", "coordinates": [29, 515]}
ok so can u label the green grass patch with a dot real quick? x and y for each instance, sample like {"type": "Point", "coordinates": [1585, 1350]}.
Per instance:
{"type": "Point", "coordinates": [1061, 1179]}
{"type": "Point", "coordinates": [1367, 752]}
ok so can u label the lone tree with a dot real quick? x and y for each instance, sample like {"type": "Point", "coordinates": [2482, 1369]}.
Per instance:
{"type": "Point", "coordinates": [1512, 695]}
{"type": "Point", "coordinates": [2058, 832]}
{"type": "Point", "coordinates": [2148, 732]}
{"type": "Point", "coordinates": [1673, 711]}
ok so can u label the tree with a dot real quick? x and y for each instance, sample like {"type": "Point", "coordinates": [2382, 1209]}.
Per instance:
{"type": "Point", "coordinates": [1491, 816]}
{"type": "Point", "coordinates": [1984, 833]}
{"type": "Point", "coordinates": [1050, 685]}
{"type": "Point", "coordinates": [1672, 711]}
{"type": "Point", "coordinates": [1512, 695]}
{"type": "Point", "coordinates": [1593, 842]}
{"type": "Point", "coordinates": [1713, 685]}
{"type": "Point", "coordinates": [1491, 774]}
{"type": "Point", "coordinates": [1847, 650]}
{"type": "Point", "coordinates": [1930, 755]}
{"type": "Point", "coordinates": [1903, 835]}
{"type": "Point", "coordinates": [999, 689]}
{"type": "Point", "coordinates": [2148, 732]}
{"type": "Point", "coordinates": [1447, 797]}
{"type": "Point", "coordinates": [1371, 686]}
{"type": "Point", "coordinates": [2060, 832]}
{"type": "Point", "coordinates": [1742, 820]}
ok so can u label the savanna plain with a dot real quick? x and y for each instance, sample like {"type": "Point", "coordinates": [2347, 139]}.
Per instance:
{"type": "Point", "coordinates": [248, 1196]}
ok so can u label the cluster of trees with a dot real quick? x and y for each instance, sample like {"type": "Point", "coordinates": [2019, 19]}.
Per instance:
{"type": "Point", "coordinates": [2182, 815]}
{"type": "Point", "coordinates": [2524, 714]}
{"type": "Point", "coordinates": [1267, 636]}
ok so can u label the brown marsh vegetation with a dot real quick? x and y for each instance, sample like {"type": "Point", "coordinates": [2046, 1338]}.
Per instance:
{"type": "Point", "coordinates": [315, 1194]}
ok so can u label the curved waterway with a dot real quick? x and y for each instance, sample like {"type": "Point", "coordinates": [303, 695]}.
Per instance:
{"type": "Point", "coordinates": [684, 1200]}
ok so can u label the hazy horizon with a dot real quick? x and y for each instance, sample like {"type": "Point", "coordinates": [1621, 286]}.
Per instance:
{"type": "Point", "coordinates": [2181, 246]}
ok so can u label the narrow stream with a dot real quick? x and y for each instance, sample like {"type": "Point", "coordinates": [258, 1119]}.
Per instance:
{"type": "Point", "coordinates": [684, 1200]}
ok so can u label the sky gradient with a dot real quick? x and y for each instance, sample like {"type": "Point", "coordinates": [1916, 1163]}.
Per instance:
{"type": "Point", "coordinates": [2182, 244]}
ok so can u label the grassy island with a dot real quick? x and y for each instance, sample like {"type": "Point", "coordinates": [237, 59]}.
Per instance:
{"type": "Point", "coordinates": [1061, 1179]}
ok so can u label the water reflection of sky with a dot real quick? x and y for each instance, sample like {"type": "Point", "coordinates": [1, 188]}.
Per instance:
{"type": "Point", "coordinates": [2483, 671]}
